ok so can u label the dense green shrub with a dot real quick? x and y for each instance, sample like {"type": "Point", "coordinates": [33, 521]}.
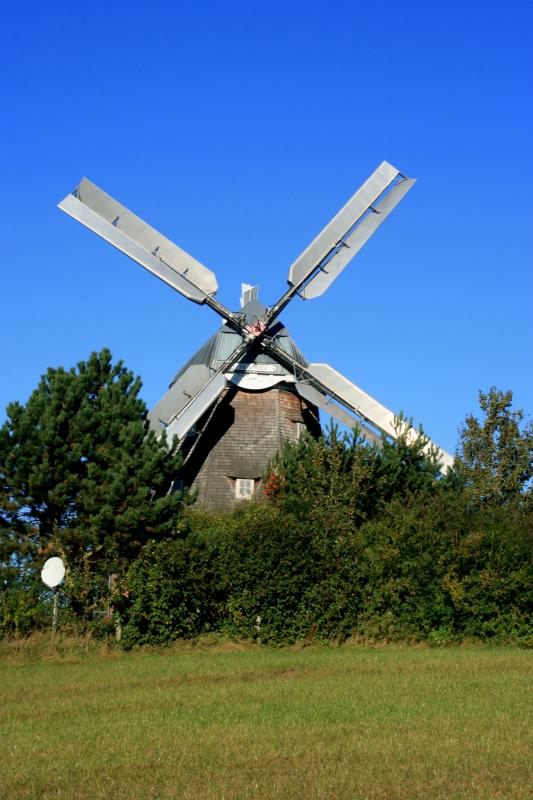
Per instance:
{"type": "Point", "coordinates": [22, 609]}
{"type": "Point", "coordinates": [340, 480]}
{"type": "Point", "coordinates": [270, 563]}
{"type": "Point", "coordinates": [172, 590]}
{"type": "Point", "coordinates": [429, 569]}
{"type": "Point", "coordinates": [442, 571]}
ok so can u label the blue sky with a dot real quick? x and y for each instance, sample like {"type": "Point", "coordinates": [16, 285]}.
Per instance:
{"type": "Point", "coordinates": [238, 130]}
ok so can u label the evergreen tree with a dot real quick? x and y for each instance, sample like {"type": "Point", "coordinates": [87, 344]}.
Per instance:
{"type": "Point", "coordinates": [83, 477]}
{"type": "Point", "coordinates": [340, 479]}
{"type": "Point", "coordinates": [12, 537]}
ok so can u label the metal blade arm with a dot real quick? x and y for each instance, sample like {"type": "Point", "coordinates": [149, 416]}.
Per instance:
{"type": "Point", "coordinates": [309, 392]}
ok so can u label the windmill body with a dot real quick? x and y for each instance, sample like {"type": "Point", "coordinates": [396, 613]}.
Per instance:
{"type": "Point", "coordinates": [249, 387]}
{"type": "Point", "coordinates": [227, 450]}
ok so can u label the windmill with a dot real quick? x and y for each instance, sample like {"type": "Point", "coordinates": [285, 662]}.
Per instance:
{"type": "Point", "coordinates": [249, 387]}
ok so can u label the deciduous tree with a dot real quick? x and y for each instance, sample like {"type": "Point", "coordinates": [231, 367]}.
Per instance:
{"type": "Point", "coordinates": [496, 452]}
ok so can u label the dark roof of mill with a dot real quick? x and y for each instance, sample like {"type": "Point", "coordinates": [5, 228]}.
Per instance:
{"type": "Point", "coordinates": [222, 344]}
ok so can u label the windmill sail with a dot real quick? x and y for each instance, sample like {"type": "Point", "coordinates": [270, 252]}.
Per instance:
{"type": "Point", "coordinates": [179, 394]}
{"type": "Point", "coordinates": [189, 416]}
{"type": "Point", "coordinates": [328, 389]}
{"type": "Point", "coordinates": [354, 241]}
{"type": "Point", "coordinates": [366, 406]}
{"type": "Point", "coordinates": [318, 398]}
{"type": "Point", "coordinates": [344, 236]}
{"type": "Point", "coordinates": [113, 222]}
{"type": "Point", "coordinates": [201, 386]}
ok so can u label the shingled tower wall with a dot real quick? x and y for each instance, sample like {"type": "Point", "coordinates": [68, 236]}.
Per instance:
{"type": "Point", "coordinates": [239, 436]}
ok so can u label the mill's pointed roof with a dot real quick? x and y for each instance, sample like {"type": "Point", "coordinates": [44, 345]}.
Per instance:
{"type": "Point", "coordinates": [221, 345]}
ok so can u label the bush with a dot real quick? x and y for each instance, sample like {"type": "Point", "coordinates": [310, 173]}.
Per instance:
{"type": "Point", "coordinates": [170, 591]}
{"type": "Point", "coordinates": [442, 571]}
{"type": "Point", "coordinates": [22, 610]}
{"type": "Point", "coordinates": [427, 568]}
{"type": "Point", "coordinates": [267, 566]}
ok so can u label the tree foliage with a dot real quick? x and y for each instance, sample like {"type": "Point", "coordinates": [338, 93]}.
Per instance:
{"type": "Point", "coordinates": [82, 477]}
{"type": "Point", "coordinates": [349, 540]}
{"type": "Point", "coordinates": [431, 569]}
{"type": "Point", "coordinates": [496, 453]}
{"type": "Point", "coordinates": [340, 476]}
{"type": "Point", "coordinates": [174, 589]}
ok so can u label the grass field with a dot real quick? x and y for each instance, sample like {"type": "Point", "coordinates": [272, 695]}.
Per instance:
{"type": "Point", "coordinates": [225, 722]}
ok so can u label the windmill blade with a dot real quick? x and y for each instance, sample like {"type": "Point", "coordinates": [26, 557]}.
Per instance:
{"type": "Point", "coordinates": [180, 393]}
{"type": "Point", "coordinates": [318, 398]}
{"type": "Point", "coordinates": [353, 242]}
{"type": "Point", "coordinates": [331, 241]}
{"type": "Point", "coordinates": [367, 407]}
{"type": "Point", "coordinates": [311, 388]}
{"type": "Point", "coordinates": [113, 222]}
{"type": "Point", "coordinates": [180, 417]}
{"type": "Point", "coordinates": [335, 387]}
{"type": "Point", "coordinates": [183, 422]}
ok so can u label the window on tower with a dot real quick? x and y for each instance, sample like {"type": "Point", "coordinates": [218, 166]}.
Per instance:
{"type": "Point", "coordinates": [244, 488]}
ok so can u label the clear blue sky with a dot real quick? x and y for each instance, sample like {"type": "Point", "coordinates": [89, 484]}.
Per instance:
{"type": "Point", "coordinates": [238, 129]}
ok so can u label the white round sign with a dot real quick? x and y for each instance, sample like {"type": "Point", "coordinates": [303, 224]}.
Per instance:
{"type": "Point", "coordinates": [53, 572]}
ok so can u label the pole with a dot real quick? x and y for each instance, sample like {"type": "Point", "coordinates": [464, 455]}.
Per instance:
{"type": "Point", "coordinates": [54, 613]}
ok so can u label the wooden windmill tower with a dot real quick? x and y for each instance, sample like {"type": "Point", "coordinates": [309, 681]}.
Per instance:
{"type": "Point", "coordinates": [249, 387]}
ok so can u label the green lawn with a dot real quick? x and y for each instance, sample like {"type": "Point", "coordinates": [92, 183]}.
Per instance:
{"type": "Point", "coordinates": [208, 724]}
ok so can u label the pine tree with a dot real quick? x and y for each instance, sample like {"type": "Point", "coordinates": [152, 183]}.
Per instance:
{"type": "Point", "coordinates": [83, 477]}
{"type": "Point", "coordinates": [340, 476]}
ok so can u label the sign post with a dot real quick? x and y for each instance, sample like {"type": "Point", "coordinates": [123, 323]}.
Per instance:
{"type": "Point", "coordinates": [52, 574]}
